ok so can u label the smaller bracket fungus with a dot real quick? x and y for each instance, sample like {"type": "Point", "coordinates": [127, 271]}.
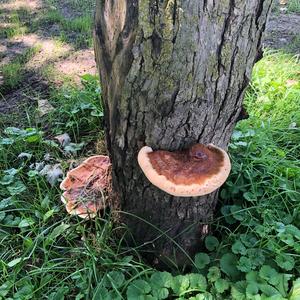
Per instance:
{"type": "Point", "coordinates": [196, 171]}
{"type": "Point", "coordinates": [84, 187]}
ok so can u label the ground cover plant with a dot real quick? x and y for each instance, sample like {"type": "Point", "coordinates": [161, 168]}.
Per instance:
{"type": "Point", "coordinates": [252, 254]}
{"type": "Point", "coordinates": [253, 250]}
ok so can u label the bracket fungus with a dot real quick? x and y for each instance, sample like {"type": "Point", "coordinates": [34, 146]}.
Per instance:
{"type": "Point", "coordinates": [84, 187]}
{"type": "Point", "coordinates": [193, 172]}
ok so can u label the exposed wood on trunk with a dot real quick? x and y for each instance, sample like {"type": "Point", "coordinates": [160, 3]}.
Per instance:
{"type": "Point", "coordinates": [173, 73]}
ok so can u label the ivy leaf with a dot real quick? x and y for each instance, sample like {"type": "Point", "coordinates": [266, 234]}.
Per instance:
{"type": "Point", "coordinates": [284, 261]}
{"type": "Point", "coordinates": [214, 273]}
{"type": "Point", "coordinates": [228, 264]}
{"type": "Point", "coordinates": [211, 243]}
{"type": "Point", "coordinates": [238, 248]}
{"type": "Point", "coordinates": [244, 264]}
{"type": "Point", "coordinates": [269, 274]}
{"type": "Point", "coordinates": [138, 289]}
{"type": "Point", "coordinates": [221, 285]}
{"type": "Point", "coordinates": [201, 260]}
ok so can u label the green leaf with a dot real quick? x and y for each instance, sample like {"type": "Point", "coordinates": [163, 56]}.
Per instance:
{"type": "Point", "coordinates": [5, 203]}
{"type": "Point", "coordinates": [197, 281]}
{"type": "Point", "coordinates": [5, 288]}
{"type": "Point", "coordinates": [7, 179]}
{"type": "Point", "coordinates": [214, 273]}
{"type": "Point", "coordinates": [201, 260]}
{"type": "Point", "coordinates": [238, 248]}
{"type": "Point", "coordinates": [14, 262]}
{"type": "Point", "coordinates": [161, 279]}
{"type": "Point", "coordinates": [256, 256]}
{"type": "Point", "coordinates": [249, 196]}
{"type": "Point", "coordinates": [237, 212]}
{"type": "Point", "coordinates": [238, 290]}
{"type": "Point", "coordinates": [211, 243]}
{"type": "Point", "coordinates": [244, 264]}
{"type": "Point", "coordinates": [57, 231]}
{"type": "Point", "coordinates": [116, 278]}
{"type": "Point", "coordinates": [268, 290]}
{"type": "Point", "coordinates": [26, 223]}
{"type": "Point", "coordinates": [269, 274]}
{"type": "Point", "coordinates": [137, 289]}
{"type": "Point", "coordinates": [180, 284]}
{"type": "Point", "coordinates": [295, 292]}
{"type": "Point", "coordinates": [221, 285]}
{"type": "Point", "coordinates": [228, 264]}
{"type": "Point", "coordinates": [16, 188]}
{"type": "Point", "coordinates": [252, 289]}
{"type": "Point", "coordinates": [284, 261]}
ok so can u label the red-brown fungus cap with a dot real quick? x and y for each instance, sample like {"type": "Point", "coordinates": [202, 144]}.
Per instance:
{"type": "Point", "coordinates": [84, 187]}
{"type": "Point", "coordinates": [188, 173]}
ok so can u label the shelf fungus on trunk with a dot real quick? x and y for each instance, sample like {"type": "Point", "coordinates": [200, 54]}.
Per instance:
{"type": "Point", "coordinates": [85, 187]}
{"type": "Point", "coordinates": [192, 172]}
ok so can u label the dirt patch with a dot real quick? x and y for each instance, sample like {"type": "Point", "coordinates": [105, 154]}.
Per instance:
{"type": "Point", "coordinates": [283, 32]}
{"type": "Point", "coordinates": [79, 63]}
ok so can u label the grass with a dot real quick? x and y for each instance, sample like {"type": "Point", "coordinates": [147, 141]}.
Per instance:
{"type": "Point", "coordinates": [254, 253]}
{"type": "Point", "coordinates": [14, 72]}
{"type": "Point", "coordinates": [294, 6]}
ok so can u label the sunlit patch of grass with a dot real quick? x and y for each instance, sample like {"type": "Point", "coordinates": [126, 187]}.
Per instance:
{"type": "Point", "coordinates": [13, 73]}
{"type": "Point", "coordinates": [17, 23]}
{"type": "Point", "coordinates": [77, 30]}
{"type": "Point", "coordinates": [275, 89]}
{"type": "Point", "coordinates": [293, 6]}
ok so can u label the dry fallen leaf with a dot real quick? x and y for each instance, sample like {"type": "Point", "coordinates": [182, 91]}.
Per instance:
{"type": "Point", "coordinates": [44, 107]}
{"type": "Point", "coordinates": [63, 139]}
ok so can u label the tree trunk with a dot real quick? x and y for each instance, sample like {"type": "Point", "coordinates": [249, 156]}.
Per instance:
{"type": "Point", "coordinates": [173, 73]}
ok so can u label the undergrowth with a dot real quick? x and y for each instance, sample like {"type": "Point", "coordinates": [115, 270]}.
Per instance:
{"type": "Point", "coordinates": [254, 252]}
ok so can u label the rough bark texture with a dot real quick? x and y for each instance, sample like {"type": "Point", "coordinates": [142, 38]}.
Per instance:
{"type": "Point", "coordinates": [173, 73]}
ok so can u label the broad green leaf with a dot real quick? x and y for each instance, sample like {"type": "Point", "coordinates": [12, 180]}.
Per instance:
{"type": "Point", "coordinates": [269, 274]}
{"type": "Point", "coordinates": [16, 188]}
{"type": "Point", "coordinates": [228, 265]}
{"type": "Point", "coordinates": [268, 290]}
{"type": "Point", "coordinates": [138, 289]}
{"type": "Point", "coordinates": [26, 223]}
{"type": "Point", "coordinates": [161, 280]}
{"type": "Point", "coordinates": [238, 248]}
{"type": "Point", "coordinates": [252, 289]}
{"type": "Point", "coordinates": [201, 260]}
{"type": "Point", "coordinates": [213, 274]}
{"type": "Point", "coordinates": [180, 284]}
{"type": "Point", "coordinates": [221, 285]}
{"type": "Point", "coordinates": [295, 292]}
{"type": "Point", "coordinates": [211, 243]}
{"type": "Point", "coordinates": [197, 281]}
{"type": "Point", "coordinates": [284, 261]}
{"type": "Point", "coordinates": [244, 264]}
{"type": "Point", "coordinates": [116, 278]}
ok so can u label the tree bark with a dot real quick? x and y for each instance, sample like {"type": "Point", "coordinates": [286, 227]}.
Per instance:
{"type": "Point", "coordinates": [173, 73]}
